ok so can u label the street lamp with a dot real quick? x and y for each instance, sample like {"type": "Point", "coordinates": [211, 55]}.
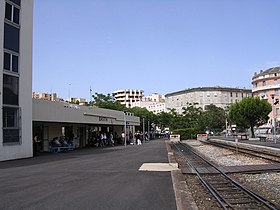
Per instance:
{"type": "Point", "coordinates": [275, 101]}
{"type": "Point", "coordinates": [69, 85]}
{"type": "Point", "coordinates": [226, 115]}
{"type": "Point", "coordinates": [148, 129]}
{"type": "Point", "coordinates": [90, 95]}
{"type": "Point", "coordinates": [124, 114]}
{"type": "Point", "coordinates": [143, 129]}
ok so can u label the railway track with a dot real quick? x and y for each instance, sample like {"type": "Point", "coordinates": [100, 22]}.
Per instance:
{"type": "Point", "coordinates": [226, 191]}
{"type": "Point", "coordinates": [248, 151]}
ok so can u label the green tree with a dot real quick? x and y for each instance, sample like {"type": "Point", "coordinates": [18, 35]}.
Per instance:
{"type": "Point", "coordinates": [164, 120]}
{"type": "Point", "coordinates": [150, 117]}
{"type": "Point", "coordinates": [191, 116]}
{"type": "Point", "coordinates": [213, 118]}
{"type": "Point", "coordinates": [250, 112]}
{"type": "Point", "coordinates": [106, 101]}
{"type": "Point", "coordinates": [175, 119]}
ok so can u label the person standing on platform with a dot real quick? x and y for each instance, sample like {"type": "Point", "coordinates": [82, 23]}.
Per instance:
{"type": "Point", "coordinates": [138, 138]}
{"type": "Point", "coordinates": [36, 145]}
{"type": "Point", "coordinates": [123, 137]}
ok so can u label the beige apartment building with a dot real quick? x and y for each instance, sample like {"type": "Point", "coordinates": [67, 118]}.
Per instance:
{"type": "Point", "coordinates": [154, 97]}
{"type": "Point", "coordinates": [128, 96]}
{"type": "Point", "coordinates": [154, 103]}
{"type": "Point", "coordinates": [266, 85]}
{"type": "Point", "coordinates": [202, 96]}
{"type": "Point", "coordinates": [77, 100]}
{"type": "Point", "coordinates": [45, 96]}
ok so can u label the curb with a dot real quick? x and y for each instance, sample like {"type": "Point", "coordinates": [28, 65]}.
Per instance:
{"type": "Point", "coordinates": [183, 197]}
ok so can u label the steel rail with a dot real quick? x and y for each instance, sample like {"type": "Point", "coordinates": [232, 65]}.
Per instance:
{"type": "Point", "coordinates": [224, 204]}
{"type": "Point", "coordinates": [248, 151]}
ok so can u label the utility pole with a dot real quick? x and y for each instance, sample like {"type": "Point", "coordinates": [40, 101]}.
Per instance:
{"type": "Point", "coordinates": [148, 129]}
{"type": "Point", "coordinates": [90, 95]}
{"type": "Point", "coordinates": [143, 129]}
{"type": "Point", "coordinates": [69, 99]}
{"type": "Point", "coordinates": [124, 128]}
{"type": "Point", "coordinates": [274, 102]}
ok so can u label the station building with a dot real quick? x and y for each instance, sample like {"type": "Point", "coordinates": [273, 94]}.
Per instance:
{"type": "Point", "coordinates": [51, 119]}
{"type": "Point", "coordinates": [82, 123]}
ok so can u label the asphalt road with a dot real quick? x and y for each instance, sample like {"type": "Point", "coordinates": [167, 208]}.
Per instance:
{"type": "Point", "coordinates": [92, 178]}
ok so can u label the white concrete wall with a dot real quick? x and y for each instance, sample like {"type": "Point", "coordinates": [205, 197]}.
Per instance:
{"type": "Point", "coordinates": [24, 149]}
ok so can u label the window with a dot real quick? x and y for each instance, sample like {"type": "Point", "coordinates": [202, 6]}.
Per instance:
{"type": "Point", "coordinates": [10, 117]}
{"type": "Point", "coordinates": [264, 83]}
{"type": "Point", "coordinates": [236, 94]}
{"type": "Point", "coordinates": [12, 13]}
{"type": "Point", "coordinates": [10, 124]}
{"type": "Point", "coordinates": [8, 11]}
{"type": "Point", "coordinates": [276, 92]}
{"type": "Point", "coordinates": [11, 38]}
{"type": "Point", "coordinates": [275, 81]}
{"type": "Point", "coordinates": [10, 62]}
{"type": "Point", "coordinates": [16, 15]}
{"type": "Point", "coordinates": [230, 94]}
{"type": "Point", "coordinates": [7, 61]}
{"type": "Point", "coordinates": [14, 63]}
{"type": "Point", "coordinates": [10, 89]}
{"type": "Point", "coordinates": [10, 109]}
{"type": "Point", "coordinates": [277, 111]}
{"type": "Point", "coordinates": [16, 2]}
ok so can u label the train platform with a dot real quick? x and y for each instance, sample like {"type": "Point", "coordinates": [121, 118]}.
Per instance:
{"type": "Point", "coordinates": [96, 178]}
{"type": "Point", "coordinates": [269, 144]}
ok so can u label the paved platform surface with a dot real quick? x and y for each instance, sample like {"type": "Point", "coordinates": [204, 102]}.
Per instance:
{"type": "Point", "coordinates": [268, 143]}
{"type": "Point", "coordinates": [93, 178]}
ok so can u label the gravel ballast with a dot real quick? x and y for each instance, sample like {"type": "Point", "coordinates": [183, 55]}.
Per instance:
{"type": "Point", "coordinates": [265, 184]}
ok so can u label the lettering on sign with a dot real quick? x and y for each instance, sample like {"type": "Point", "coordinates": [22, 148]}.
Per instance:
{"type": "Point", "coordinates": [103, 119]}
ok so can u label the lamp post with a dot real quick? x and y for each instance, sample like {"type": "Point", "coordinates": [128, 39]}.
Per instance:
{"type": "Point", "coordinates": [274, 102]}
{"type": "Point", "coordinates": [226, 115]}
{"type": "Point", "coordinates": [143, 129]}
{"type": "Point", "coordinates": [90, 95]}
{"type": "Point", "coordinates": [124, 114]}
{"type": "Point", "coordinates": [69, 85]}
{"type": "Point", "coordinates": [149, 130]}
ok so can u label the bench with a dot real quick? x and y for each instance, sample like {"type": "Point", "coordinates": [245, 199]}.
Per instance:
{"type": "Point", "coordinates": [54, 149]}
{"type": "Point", "coordinates": [244, 136]}
{"type": "Point", "coordinates": [262, 138]}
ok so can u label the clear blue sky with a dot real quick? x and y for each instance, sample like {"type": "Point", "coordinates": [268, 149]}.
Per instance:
{"type": "Point", "coordinates": [155, 45]}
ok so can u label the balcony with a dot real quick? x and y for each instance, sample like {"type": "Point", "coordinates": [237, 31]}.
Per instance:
{"type": "Point", "coordinates": [267, 87]}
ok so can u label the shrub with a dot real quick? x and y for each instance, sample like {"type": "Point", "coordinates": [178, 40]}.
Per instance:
{"type": "Point", "coordinates": [187, 133]}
